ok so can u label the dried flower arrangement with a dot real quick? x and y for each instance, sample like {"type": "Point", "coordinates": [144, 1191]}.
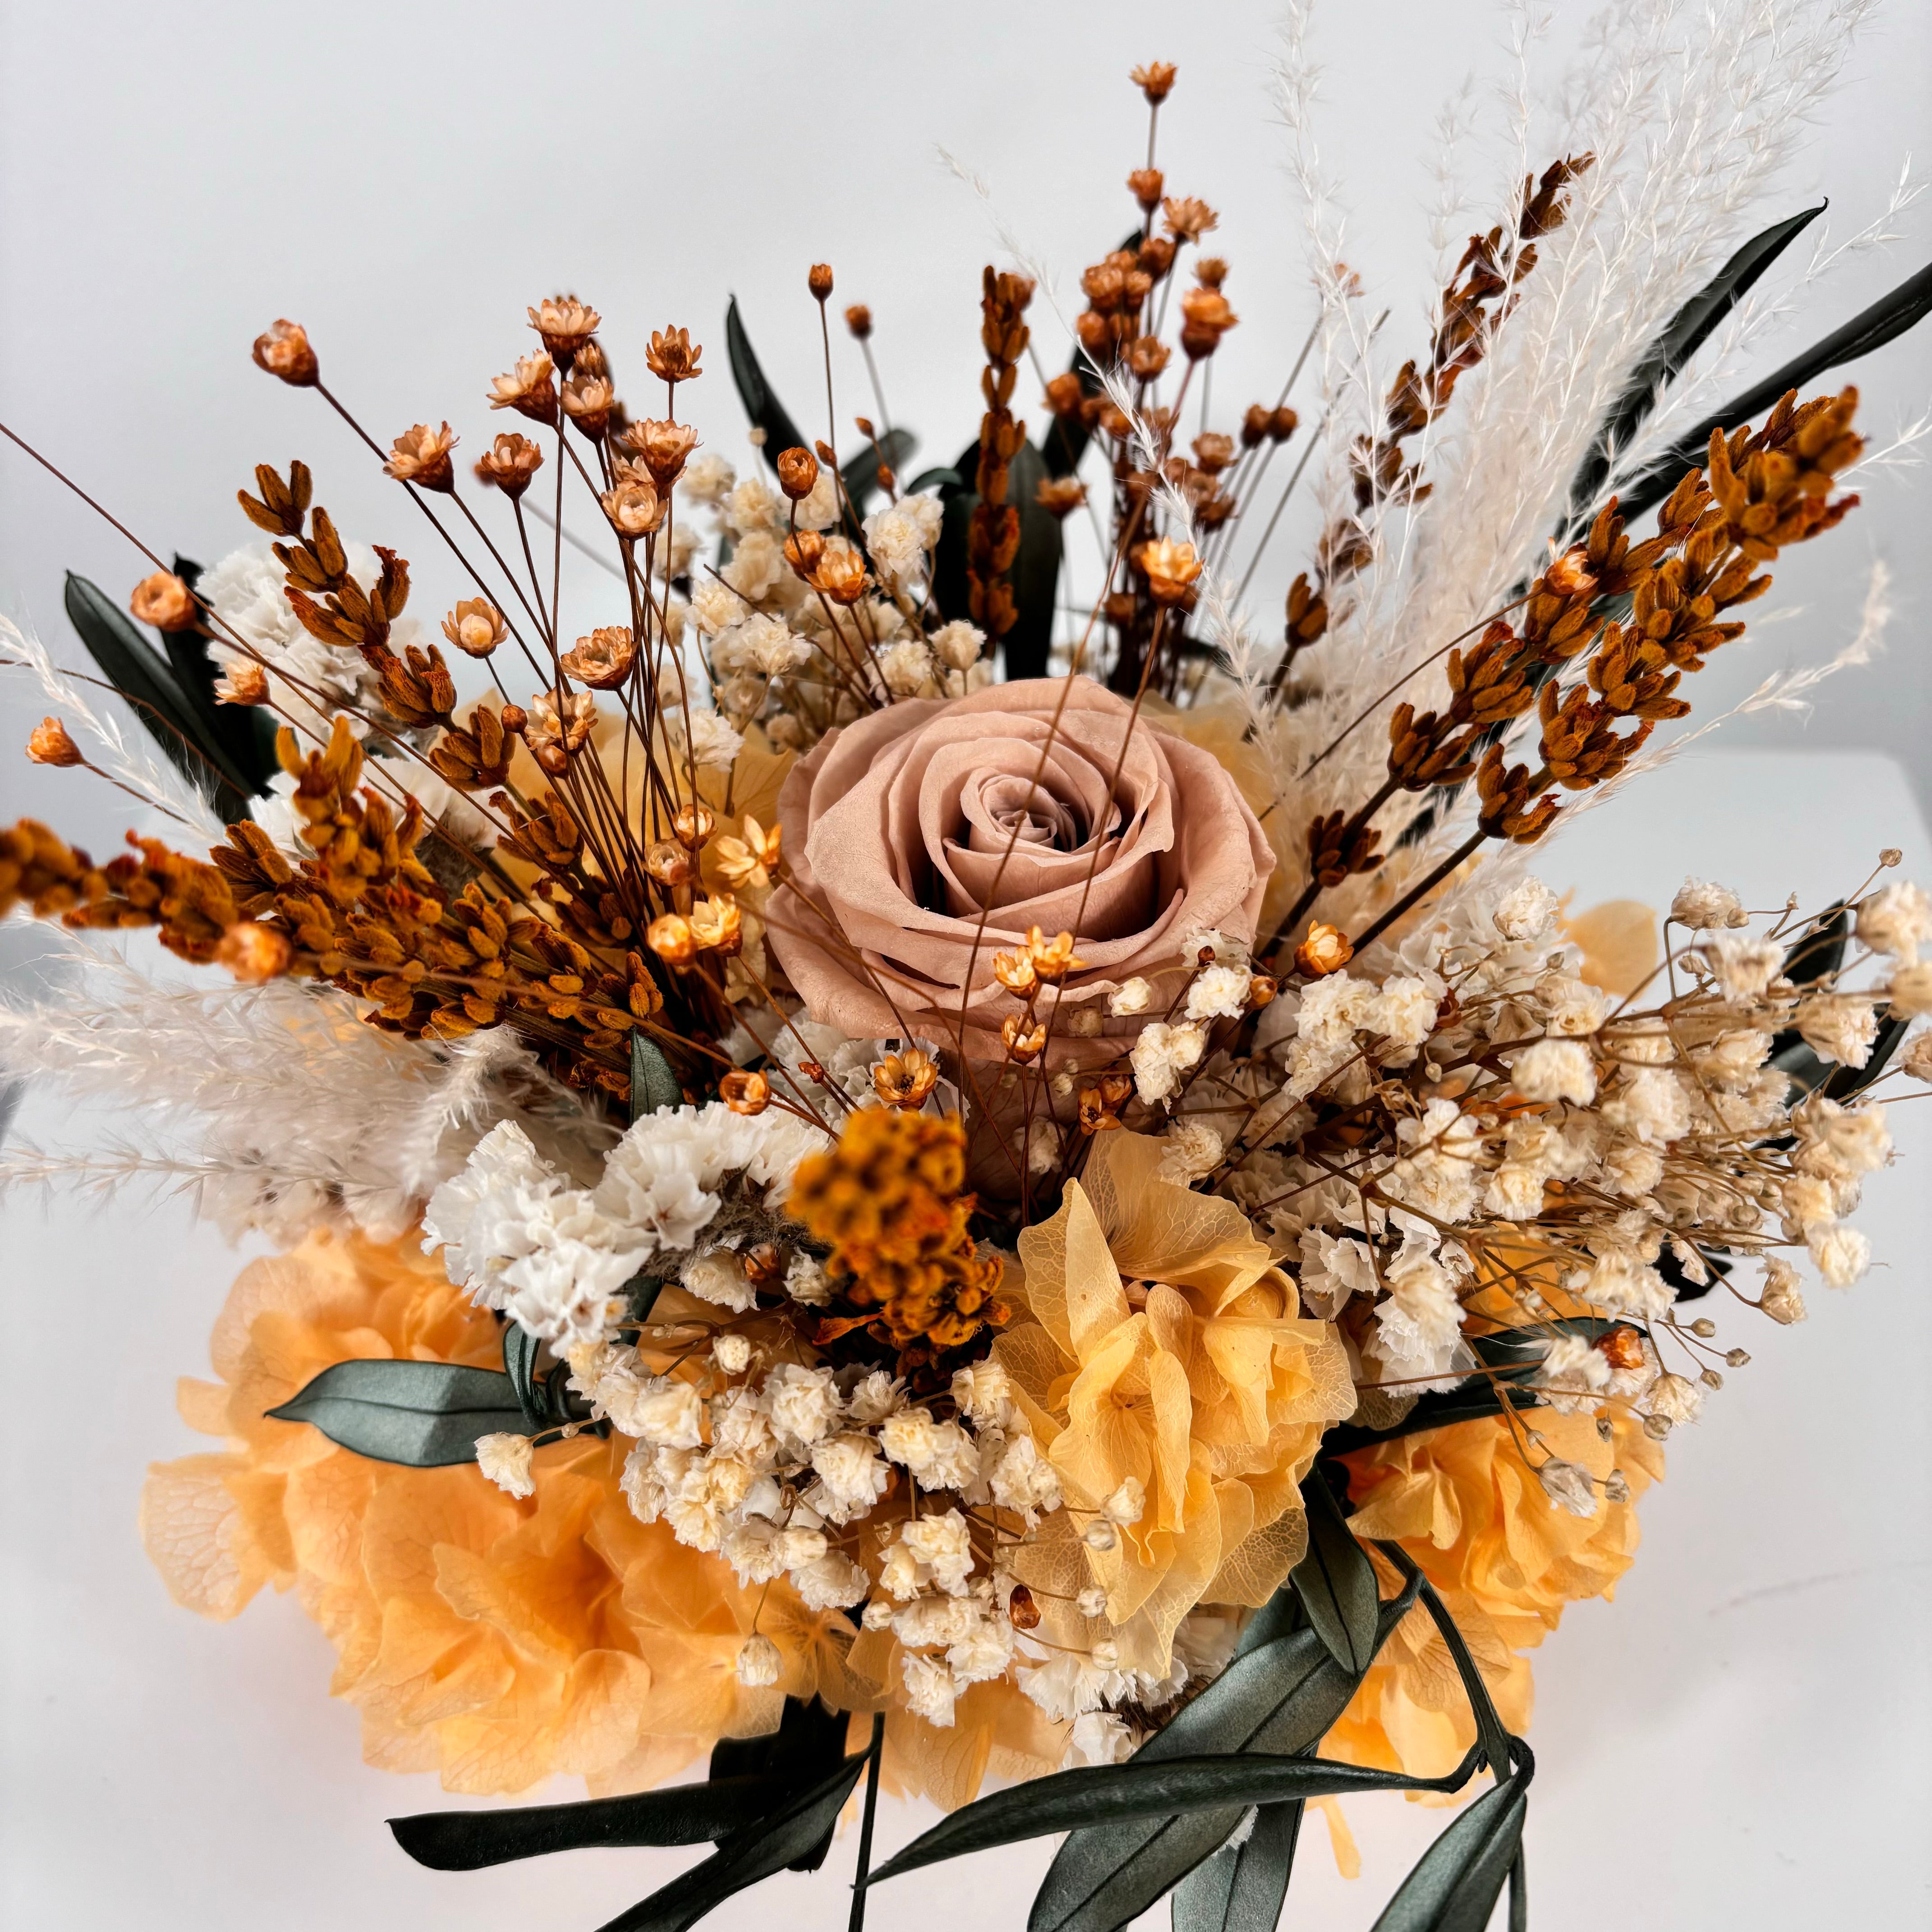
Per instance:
{"type": "Point", "coordinates": [881, 1190]}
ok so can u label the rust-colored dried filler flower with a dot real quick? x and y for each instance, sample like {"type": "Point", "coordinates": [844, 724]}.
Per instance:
{"type": "Point", "coordinates": [902, 1158]}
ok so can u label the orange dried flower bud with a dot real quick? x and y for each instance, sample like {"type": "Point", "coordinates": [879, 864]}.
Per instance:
{"type": "Point", "coordinates": [1570, 575]}
{"type": "Point", "coordinates": [1064, 395]}
{"type": "Point", "coordinates": [1022, 1042]}
{"type": "Point", "coordinates": [1262, 989]}
{"type": "Point", "coordinates": [282, 350]}
{"type": "Point", "coordinates": [1213, 452]}
{"type": "Point", "coordinates": [803, 550]}
{"type": "Point", "coordinates": [1144, 185]}
{"type": "Point", "coordinates": [715, 924]}
{"type": "Point", "coordinates": [669, 864]}
{"type": "Point", "coordinates": [840, 575]}
{"type": "Point", "coordinates": [859, 320]}
{"type": "Point", "coordinates": [529, 389]}
{"type": "Point", "coordinates": [1622, 1347]}
{"type": "Point", "coordinates": [905, 1079]}
{"type": "Point", "coordinates": [565, 325]}
{"type": "Point", "coordinates": [671, 939]}
{"type": "Point", "coordinates": [692, 825]}
{"type": "Point", "coordinates": [1022, 1612]}
{"type": "Point", "coordinates": [1014, 971]}
{"type": "Point", "coordinates": [1325, 950]}
{"type": "Point", "coordinates": [635, 508]}
{"type": "Point", "coordinates": [1061, 496]}
{"type": "Point", "coordinates": [1155, 80]}
{"type": "Point", "coordinates": [165, 602]}
{"type": "Point", "coordinates": [665, 447]}
{"type": "Point", "coordinates": [1170, 568]}
{"type": "Point", "coordinates": [254, 953]}
{"type": "Point", "coordinates": [671, 358]}
{"type": "Point", "coordinates": [515, 718]}
{"type": "Point", "coordinates": [798, 472]}
{"type": "Point", "coordinates": [820, 281]}
{"type": "Point", "coordinates": [48, 744]}
{"type": "Point", "coordinates": [603, 660]}
{"type": "Point", "coordinates": [475, 627]}
{"type": "Point", "coordinates": [1052, 959]}
{"type": "Point", "coordinates": [745, 1093]}
{"type": "Point", "coordinates": [588, 401]}
{"type": "Point", "coordinates": [509, 463]}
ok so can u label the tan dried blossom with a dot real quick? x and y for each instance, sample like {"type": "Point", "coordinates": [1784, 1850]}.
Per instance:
{"type": "Point", "coordinates": [693, 826]}
{"type": "Point", "coordinates": [565, 325]}
{"type": "Point", "coordinates": [1015, 971]}
{"type": "Point", "coordinates": [1325, 950]}
{"type": "Point", "coordinates": [1170, 568]}
{"type": "Point", "coordinates": [671, 938]}
{"type": "Point", "coordinates": [1023, 1042]}
{"type": "Point", "coordinates": [1212, 452]}
{"type": "Point", "coordinates": [509, 464]}
{"type": "Point", "coordinates": [1155, 80]}
{"type": "Point", "coordinates": [1061, 496]}
{"type": "Point", "coordinates": [557, 727]}
{"type": "Point", "coordinates": [282, 350]}
{"type": "Point", "coordinates": [664, 447]}
{"type": "Point", "coordinates": [165, 602]}
{"type": "Point", "coordinates": [819, 281]}
{"type": "Point", "coordinates": [798, 473]}
{"type": "Point", "coordinates": [746, 1092]}
{"type": "Point", "coordinates": [530, 389]}
{"type": "Point", "coordinates": [859, 320]}
{"type": "Point", "coordinates": [1148, 355]}
{"type": "Point", "coordinates": [420, 455]}
{"type": "Point", "coordinates": [671, 358]}
{"type": "Point", "coordinates": [244, 683]}
{"type": "Point", "coordinates": [1100, 1104]}
{"type": "Point", "coordinates": [635, 507]}
{"type": "Point", "coordinates": [475, 627]}
{"type": "Point", "coordinates": [749, 861]}
{"type": "Point", "coordinates": [905, 1079]}
{"type": "Point", "coordinates": [1211, 272]}
{"type": "Point", "coordinates": [1064, 396]}
{"type": "Point", "coordinates": [48, 744]}
{"type": "Point", "coordinates": [588, 401]}
{"type": "Point", "coordinates": [715, 925]}
{"type": "Point", "coordinates": [1144, 185]}
{"type": "Point", "coordinates": [604, 659]}
{"type": "Point", "coordinates": [669, 864]}
{"type": "Point", "coordinates": [1187, 217]}
{"type": "Point", "coordinates": [840, 574]}
{"type": "Point", "coordinates": [1206, 318]}
{"type": "Point", "coordinates": [1052, 959]}
{"type": "Point", "coordinates": [254, 952]}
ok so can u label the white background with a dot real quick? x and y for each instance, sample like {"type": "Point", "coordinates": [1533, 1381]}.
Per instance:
{"type": "Point", "coordinates": [1743, 1737]}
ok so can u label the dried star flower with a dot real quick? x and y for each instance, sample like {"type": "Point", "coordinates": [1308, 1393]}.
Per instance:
{"type": "Point", "coordinates": [604, 659]}
{"type": "Point", "coordinates": [244, 683]}
{"type": "Point", "coordinates": [565, 325]}
{"type": "Point", "coordinates": [1060, 495]}
{"type": "Point", "coordinates": [745, 1093]}
{"type": "Point", "coordinates": [1015, 971]}
{"type": "Point", "coordinates": [859, 320]}
{"type": "Point", "coordinates": [715, 925]}
{"type": "Point", "coordinates": [529, 389]}
{"type": "Point", "coordinates": [1148, 355]}
{"type": "Point", "coordinates": [1211, 272]}
{"type": "Point", "coordinates": [669, 864]}
{"type": "Point", "coordinates": [1144, 185]}
{"type": "Point", "coordinates": [475, 627]}
{"type": "Point", "coordinates": [420, 455]}
{"type": "Point", "coordinates": [840, 575]}
{"type": "Point", "coordinates": [48, 744]}
{"type": "Point", "coordinates": [1213, 453]}
{"type": "Point", "coordinates": [1052, 959]}
{"type": "Point", "coordinates": [671, 938]}
{"type": "Point", "coordinates": [749, 861]}
{"type": "Point", "coordinates": [798, 473]}
{"type": "Point", "coordinates": [1155, 80]}
{"type": "Point", "coordinates": [254, 952]}
{"type": "Point", "coordinates": [635, 508]}
{"type": "Point", "coordinates": [671, 358]}
{"type": "Point", "coordinates": [1206, 317]}
{"type": "Point", "coordinates": [905, 1079]}
{"type": "Point", "coordinates": [588, 401]}
{"type": "Point", "coordinates": [693, 825]}
{"type": "Point", "coordinates": [557, 727]}
{"type": "Point", "coordinates": [1325, 950]}
{"type": "Point", "coordinates": [165, 602]}
{"type": "Point", "coordinates": [1170, 568]}
{"type": "Point", "coordinates": [509, 464]}
{"type": "Point", "coordinates": [282, 350]}
{"type": "Point", "coordinates": [665, 447]}
{"type": "Point", "coordinates": [1188, 217]}
{"type": "Point", "coordinates": [1022, 1042]}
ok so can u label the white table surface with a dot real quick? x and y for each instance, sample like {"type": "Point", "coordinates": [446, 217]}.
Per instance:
{"type": "Point", "coordinates": [1743, 1738]}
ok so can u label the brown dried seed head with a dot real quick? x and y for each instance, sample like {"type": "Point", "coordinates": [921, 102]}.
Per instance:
{"type": "Point", "coordinates": [820, 281]}
{"type": "Point", "coordinates": [48, 744]}
{"type": "Point", "coordinates": [1213, 452]}
{"type": "Point", "coordinates": [1622, 1347]}
{"type": "Point", "coordinates": [1061, 496]}
{"type": "Point", "coordinates": [1064, 395]}
{"type": "Point", "coordinates": [603, 660]}
{"type": "Point", "coordinates": [1155, 80]}
{"type": "Point", "coordinates": [1325, 950]}
{"type": "Point", "coordinates": [859, 320]}
{"type": "Point", "coordinates": [475, 627]}
{"type": "Point", "coordinates": [509, 464]}
{"type": "Point", "coordinates": [282, 350]}
{"type": "Point", "coordinates": [1570, 575]}
{"type": "Point", "coordinates": [165, 602]}
{"type": "Point", "coordinates": [1188, 217]}
{"type": "Point", "coordinates": [1262, 989]}
{"type": "Point", "coordinates": [420, 455]}
{"type": "Point", "coordinates": [745, 1093]}
{"type": "Point", "coordinates": [254, 953]}
{"type": "Point", "coordinates": [798, 472]}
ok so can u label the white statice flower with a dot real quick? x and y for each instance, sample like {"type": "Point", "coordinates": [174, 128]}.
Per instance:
{"type": "Point", "coordinates": [1218, 992]}
{"type": "Point", "coordinates": [1162, 1055]}
{"type": "Point", "coordinates": [852, 1475]}
{"type": "Point", "coordinates": [804, 1404]}
{"type": "Point", "coordinates": [832, 1582]}
{"type": "Point", "coordinates": [1333, 1009]}
{"type": "Point", "coordinates": [505, 1460]}
{"type": "Point", "coordinates": [718, 1276]}
{"type": "Point", "coordinates": [1418, 1328]}
{"type": "Point", "coordinates": [910, 1436]}
{"type": "Point", "coordinates": [1809, 1200]}
{"type": "Point", "coordinates": [714, 607]}
{"type": "Point", "coordinates": [1021, 1478]}
{"type": "Point", "coordinates": [703, 739]}
{"type": "Point", "coordinates": [1568, 1485]}
{"type": "Point", "coordinates": [756, 566]}
{"type": "Point", "coordinates": [983, 1653]}
{"type": "Point", "coordinates": [1099, 1737]}
{"type": "Point", "coordinates": [820, 508]}
{"type": "Point", "coordinates": [1527, 913]}
{"type": "Point", "coordinates": [1632, 1169]}
{"type": "Point", "coordinates": [1838, 1026]}
{"type": "Point", "coordinates": [1623, 1283]}
{"type": "Point", "coordinates": [741, 1429]}
{"type": "Point", "coordinates": [1189, 1149]}
{"type": "Point", "coordinates": [943, 1550]}
{"type": "Point", "coordinates": [930, 1691]}
{"type": "Point", "coordinates": [707, 478]}
{"type": "Point", "coordinates": [983, 1394]}
{"type": "Point", "coordinates": [669, 1415]}
{"type": "Point", "coordinates": [955, 1460]}
{"type": "Point", "coordinates": [1516, 1191]}
{"type": "Point", "coordinates": [1705, 907]}
{"type": "Point", "coordinates": [1675, 1398]}
{"type": "Point", "coordinates": [898, 537]}
{"type": "Point", "coordinates": [1839, 1254]}
{"type": "Point", "coordinates": [959, 644]}
{"type": "Point", "coordinates": [732, 1354]}
{"type": "Point", "coordinates": [1333, 1269]}
{"type": "Point", "coordinates": [753, 508]}
{"type": "Point", "coordinates": [1745, 966]}
{"type": "Point", "coordinates": [1783, 1299]}
{"type": "Point", "coordinates": [759, 1664]}
{"type": "Point", "coordinates": [1650, 1105]}
{"type": "Point", "coordinates": [1555, 1070]}
{"type": "Point", "coordinates": [640, 1483]}
{"type": "Point", "coordinates": [1857, 1137]}
{"type": "Point", "coordinates": [1132, 996]}
{"type": "Point", "coordinates": [1735, 1055]}
{"type": "Point", "coordinates": [906, 667]}
{"type": "Point", "coordinates": [1896, 919]}
{"type": "Point", "coordinates": [806, 1281]}
{"type": "Point", "coordinates": [1573, 1007]}
{"type": "Point", "coordinates": [1437, 1172]}
{"type": "Point", "coordinates": [875, 1395]}
{"type": "Point", "coordinates": [1404, 1010]}
{"type": "Point", "coordinates": [1572, 1374]}
{"type": "Point", "coordinates": [1910, 991]}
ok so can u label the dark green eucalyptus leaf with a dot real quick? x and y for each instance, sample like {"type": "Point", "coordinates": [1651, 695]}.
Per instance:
{"type": "Point", "coordinates": [424, 1415]}
{"type": "Point", "coordinates": [653, 1085]}
{"type": "Point", "coordinates": [1688, 329]}
{"type": "Point", "coordinates": [861, 473]}
{"type": "Point", "coordinates": [1143, 1788]}
{"type": "Point", "coordinates": [1242, 1887]}
{"type": "Point", "coordinates": [1519, 1891]}
{"type": "Point", "coordinates": [679, 1814]}
{"type": "Point", "coordinates": [783, 1836]}
{"type": "Point", "coordinates": [1455, 1885]}
{"type": "Point", "coordinates": [145, 678]}
{"type": "Point", "coordinates": [1335, 1579]}
{"type": "Point", "coordinates": [519, 1364]}
{"type": "Point", "coordinates": [1891, 315]}
{"type": "Point", "coordinates": [764, 408]}
{"type": "Point", "coordinates": [934, 479]}
{"type": "Point", "coordinates": [808, 1744]}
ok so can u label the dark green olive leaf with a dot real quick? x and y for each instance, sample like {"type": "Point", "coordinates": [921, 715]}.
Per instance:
{"type": "Point", "coordinates": [860, 474]}
{"type": "Point", "coordinates": [1336, 1580]}
{"type": "Point", "coordinates": [1687, 333]}
{"type": "Point", "coordinates": [679, 1814]}
{"type": "Point", "coordinates": [1144, 1788]}
{"type": "Point", "coordinates": [768, 1845]}
{"type": "Point", "coordinates": [934, 479]}
{"type": "Point", "coordinates": [1891, 315]}
{"type": "Point", "coordinates": [1519, 1891]}
{"type": "Point", "coordinates": [764, 408]}
{"type": "Point", "coordinates": [519, 1364]}
{"type": "Point", "coordinates": [1455, 1885]}
{"type": "Point", "coordinates": [1819, 950]}
{"type": "Point", "coordinates": [1242, 1887]}
{"type": "Point", "coordinates": [808, 1744]}
{"type": "Point", "coordinates": [424, 1415]}
{"type": "Point", "coordinates": [1846, 1082]}
{"type": "Point", "coordinates": [149, 683]}
{"type": "Point", "coordinates": [653, 1085]}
